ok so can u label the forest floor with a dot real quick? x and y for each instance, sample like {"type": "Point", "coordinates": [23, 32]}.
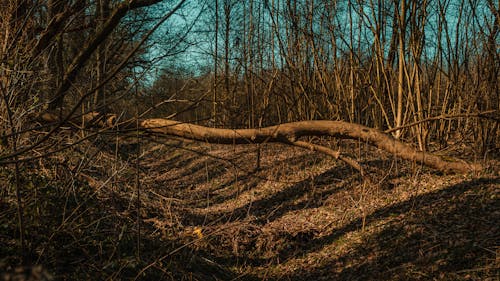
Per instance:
{"type": "Point", "coordinates": [210, 212]}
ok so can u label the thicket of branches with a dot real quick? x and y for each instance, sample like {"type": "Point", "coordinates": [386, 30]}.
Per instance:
{"type": "Point", "coordinates": [378, 63]}
{"type": "Point", "coordinates": [70, 58]}
{"type": "Point", "coordinates": [433, 65]}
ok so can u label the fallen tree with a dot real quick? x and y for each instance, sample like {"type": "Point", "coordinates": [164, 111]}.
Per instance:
{"type": "Point", "coordinates": [289, 133]}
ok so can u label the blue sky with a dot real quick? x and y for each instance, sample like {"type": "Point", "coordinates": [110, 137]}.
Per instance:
{"type": "Point", "coordinates": [199, 55]}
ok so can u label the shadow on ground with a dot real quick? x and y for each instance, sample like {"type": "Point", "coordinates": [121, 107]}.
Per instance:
{"type": "Point", "coordinates": [450, 234]}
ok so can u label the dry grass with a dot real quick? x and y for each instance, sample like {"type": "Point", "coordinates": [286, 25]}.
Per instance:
{"type": "Point", "coordinates": [207, 213]}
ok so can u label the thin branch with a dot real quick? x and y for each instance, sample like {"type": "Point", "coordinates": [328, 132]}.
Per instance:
{"type": "Point", "coordinates": [483, 114]}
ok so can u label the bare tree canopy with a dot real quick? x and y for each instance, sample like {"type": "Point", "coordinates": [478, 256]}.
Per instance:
{"type": "Point", "coordinates": [249, 139]}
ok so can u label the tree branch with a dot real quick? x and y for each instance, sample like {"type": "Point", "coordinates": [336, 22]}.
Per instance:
{"type": "Point", "coordinates": [289, 133]}
{"type": "Point", "coordinates": [88, 49]}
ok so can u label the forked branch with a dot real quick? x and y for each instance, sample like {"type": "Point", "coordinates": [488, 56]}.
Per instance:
{"type": "Point", "coordinates": [290, 133]}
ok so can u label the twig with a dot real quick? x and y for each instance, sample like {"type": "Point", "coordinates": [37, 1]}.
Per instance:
{"type": "Point", "coordinates": [444, 116]}
{"type": "Point", "coordinates": [335, 154]}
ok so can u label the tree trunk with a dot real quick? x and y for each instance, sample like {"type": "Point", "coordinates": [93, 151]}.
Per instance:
{"type": "Point", "coordinates": [287, 133]}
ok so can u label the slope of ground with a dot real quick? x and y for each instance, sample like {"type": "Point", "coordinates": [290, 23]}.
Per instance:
{"type": "Point", "coordinates": [304, 216]}
{"type": "Point", "coordinates": [212, 212]}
